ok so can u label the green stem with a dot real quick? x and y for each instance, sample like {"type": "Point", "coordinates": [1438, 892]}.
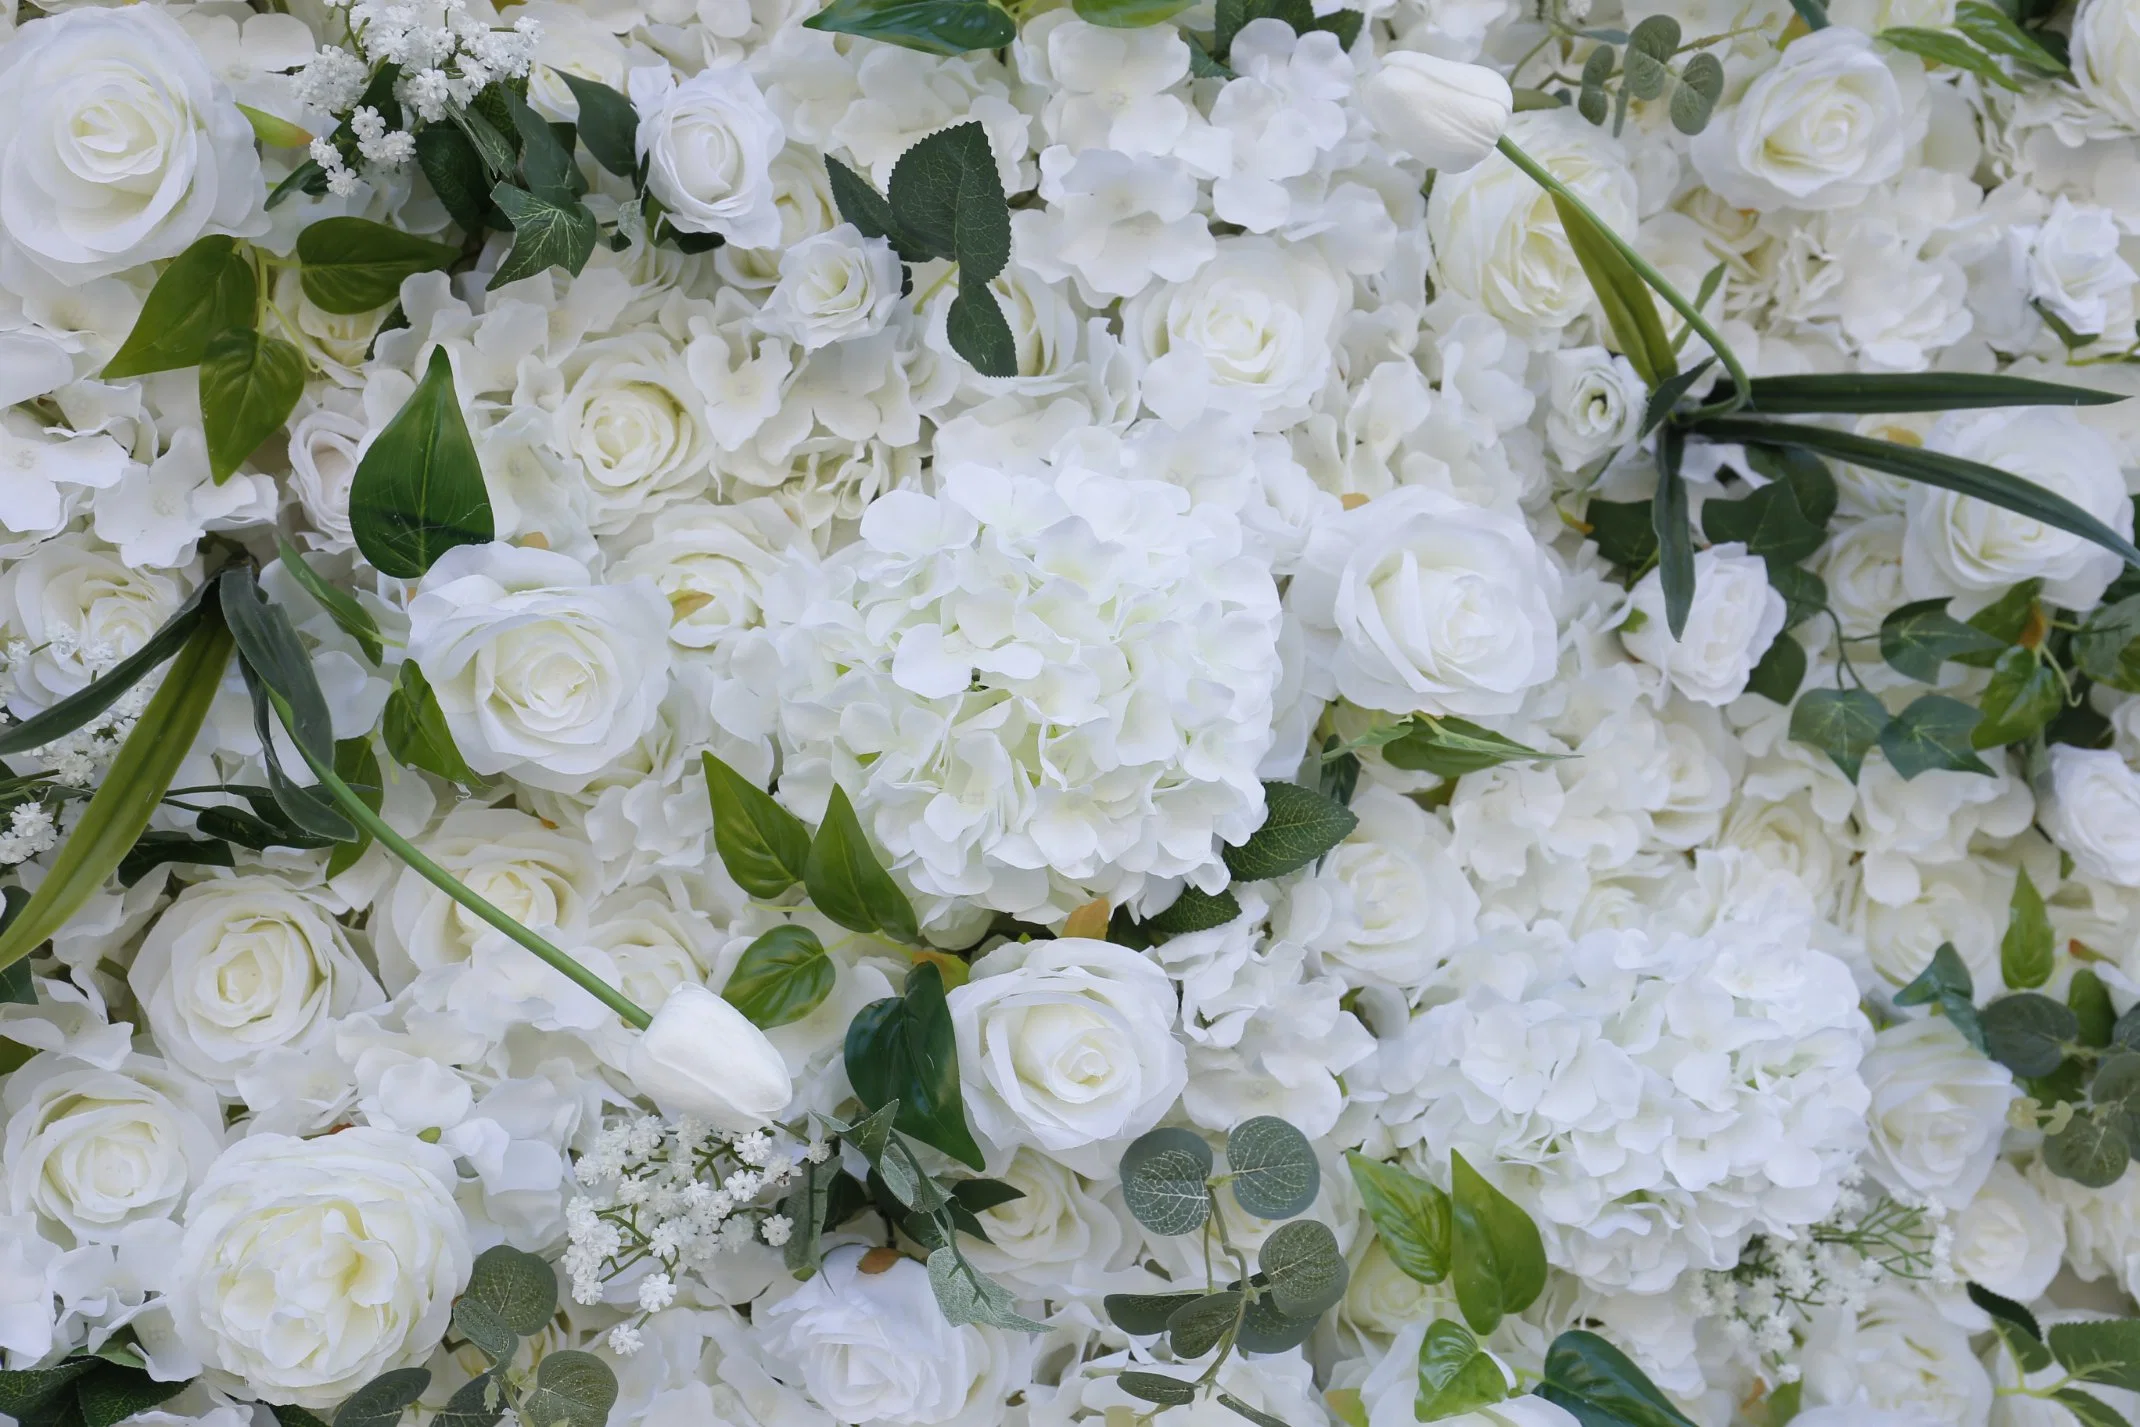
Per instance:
{"type": "Point", "coordinates": [353, 807]}
{"type": "Point", "coordinates": [1741, 383]}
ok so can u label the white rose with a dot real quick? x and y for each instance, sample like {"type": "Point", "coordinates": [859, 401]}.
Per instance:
{"type": "Point", "coordinates": [540, 672]}
{"type": "Point", "coordinates": [324, 447]}
{"type": "Point", "coordinates": [1896, 1354]}
{"type": "Point", "coordinates": [629, 419]}
{"type": "Point", "coordinates": [81, 609]}
{"type": "Point", "coordinates": [833, 286]}
{"type": "Point", "coordinates": [1424, 604]}
{"type": "Point", "coordinates": [1863, 568]}
{"type": "Point", "coordinates": [2093, 811]}
{"type": "Point", "coordinates": [1065, 1044]}
{"type": "Point", "coordinates": [1594, 404]}
{"type": "Point", "coordinates": [1958, 545]}
{"type": "Point", "coordinates": [874, 1347]}
{"type": "Point", "coordinates": [2008, 1239]}
{"type": "Point", "coordinates": [1822, 128]}
{"type": "Point", "coordinates": [1444, 114]}
{"type": "Point", "coordinates": [1938, 1110]}
{"type": "Point", "coordinates": [1059, 1233]}
{"type": "Point", "coordinates": [2075, 269]}
{"type": "Point", "coordinates": [724, 569]}
{"type": "Point", "coordinates": [538, 876]}
{"type": "Point", "coordinates": [91, 1151]}
{"type": "Point", "coordinates": [709, 145]}
{"type": "Point", "coordinates": [802, 195]}
{"type": "Point", "coordinates": [244, 965]}
{"type": "Point", "coordinates": [2102, 1225]}
{"type": "Point", "coordinates": [117, 146]}
{"type": "Point", "coordinates": [309, 1267]}
{"type": "Point", "coordinates": [1249, 332]}
{"type": "Point", "coordinates": [701, 1058]}
{"type": "Point", "coordinates": [1735, 616]}
{"type": "Point", "coordinates": [1497, 236]}
{"type": "Point", "coordinates": [2106, 57]}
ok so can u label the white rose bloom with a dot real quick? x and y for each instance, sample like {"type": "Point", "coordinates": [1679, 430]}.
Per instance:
{"type": "Point", "coordinates": [117, 145]}
{"type": "Point", "coordinates": [2106, 58]}
{"type": "Point", "coordinates": [1066, 1044]}
{"type": "Point", "coordinates": [832, 286]}
{"type": "Point", "coordinates": [81, 609]}
{"type": "Point", "coordinates": [1938, 1110]}
{"type": "Point", "coordinates": [309, 1267]}
{"type": "Point", "coordinates": [90, 1151]}
{"type": "Point", "coordinates": [1420, 603]}
{"type": "Point", "coordinates": [2102, 1226]}
{"type": "Point", "coordinates": [1735, 616]}
{"type": "Point", "coordinates": [541, 673]}
{"type": "Point", "coordinates": [2093, 811]}
{"type": "Point", "coordinates": [324, 448]}
{"type": "Point", "coordinates": [709, 145]}
{"type": "Point", "coordinates": [874, 1347]}
{"type": "Point", "coordinates": [1497, 236]}
{"type": "Point", "coordinates": [1958, 545]}
{"type": "Point", "coordinates": [2075, 269]}
{"type": "Point", "coordinates": [1059, 1234]}
{"type": "Point", "coordinates": [630, 419]}
{"type": "Point", "coordinates": [1897, 1354]}
{"type": "Point", "coordinates": [2009, 1239]}
{"type": "Point", "coordinates": [1594, 404]}
{"type": "Point", "coordinates": [243, 965]}
{"type": "Point", "coordinates": [1822, 128]}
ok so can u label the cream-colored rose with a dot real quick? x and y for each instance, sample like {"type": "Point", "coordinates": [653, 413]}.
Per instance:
{"type": "Point", "coordinates": [81, 609]}
{"type": "Point", "coordinates": [2093, 811]}
{"type": "Point", "coordinates": [1735, 616]}
{"type": "Point", "coordinates": [629, 423]}
{"type": "Point", "coordinates": [2106, 57]}
{"type": "Point", "coordinates": [2009, 1239]}
{"type": "Point", "coordinates": [833, 286]}
{"type": "Point", "coordinates": [1938, 1110]}
{"type": "Point", "coordinates": [708, 144]}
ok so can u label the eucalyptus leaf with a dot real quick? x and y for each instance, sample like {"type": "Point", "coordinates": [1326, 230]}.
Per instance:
{"type": "Point", "coordinates": [1272, 1168]}
{"type": "Point", "coordinates": [1694, 99]}
{"type": "Point", "coordinates": [1157, 1387]}
{"type": "Point", "coordinates": [380, 1402]}
{"type": "Point", "coordinates": [519, 1288]}
{"type": "Point", "coordinates": [572, 1389]}
{"type": "Point", "coordinates": [1143, 1314]}
{"type": "Point", "coordinates": [2027, 1033]}
{"type": "Point", "coordinates": [1164, 1174]}
{"type": "Point", "coordinates": [1650, 46]}
{"type": "Point", "coordinates": [2093, 1152]}
{"type": "Point", "coordinates": [1196, 1327]}
{"type": "Point", "coordinates": [1305, 1267]}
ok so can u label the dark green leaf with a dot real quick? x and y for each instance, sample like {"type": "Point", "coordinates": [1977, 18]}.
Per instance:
{"type": "Point", "coordinates": [519, 1288]}
{"type": "Point", "coordinates": [456, 173]}
{"type": "Point", "coordinates": [847, 883]}
{"type": "Point", "coordinates": [1142, 1314]}
{"type": "Point", "coordinates": [482, 1327]}
{"type": "Point", "coordinates": [416, 734]}
{"type": "Point", "coordinates": [2106, 1352]}
{"type": "Point", "coordinates": [947, 195]}
{"type": "Point", "coordinates": [1666, 397]}
{"type": "Point", "coordinates": [2024, 694]}
{"type": "Point", "coordinates": [353, 265]}
{"type": "Point", "coordinates": [1452, 747]}
{"type": "Point", "coordinates": [341, 606]}
{"type": "Point", "coordinates": [1411, 1217]}
{"type": "Point", "coordinates": [1650, 46]}
{"type": "Point", "coordinates": [572, 1389]}
{"type": "Point", "coordinates": [938, 27]}
{"type": "Point", "coordinates": [1195, 1328]}
{"type": "Point", "coordinates": [1945, 975]}
{"type": "Point", "coordinates": [207, 289]}
{"type": "Point", "coordinates": [608, 124]}
{"type": "Point", "coordinates": [1163, 1180]}
{"type": "Point", "coordinates": [2092, 1152]}
{"type": "Point", "coordinates": [548, 231]}
{"type": "Point", "coordinates": [1597, 69]}
{"type": "Point", "coordinates": [1156, 1387]}
{"type": "Point", "coordinates": [290, 1416]}
{"type": "Point", "coordinates": [1934, 732]}
{"type": "Point", "coordinates": [2025, 952]}
{"type": "Point", "coordinates": [249, 384]}
{"type": "Point", "coordinates": [2006, 619]}
{"type": "Point", "coordinates": [1456, 1375]}
{"type": "Point", "coordinates": [1813, 12]}
{"type": "Point", "coordinates": [2107, 646]}
{"type": "Point", "coordinates": [2016, 1325]}
{"type": "Point", "coordinates": [1266, 1330]}
{"type": "Point", "coordinates": [479, 1402]}
{"type": "Point", "coordinates": [1781, 670]}
{"type": "Point", "coordinates": [1195, 911]}
{"type": "Point", "coordinates": [2027, 1033]}
{"type": "Point", "coordinates": [1595, 1380]}
{"type": "Point", "coordinates": [1272, 1169]}
{"type": "Point", "coordinates": [2089, 1000]}
{"type": "Point", "coordinates": [1842, 723]}
{"type": "Point", "coordinates": [783, 976]}
{"type": "Point", "coordinates": [1916, 638]}
{"type": "Point", "coordinates": [1675, 539]}
{"type": "Point", "coordinates": [24, 1390]}
{"type": "Point", "coordinates": [1767, 521]}
{"type": "Point", "coordinates": [307, 177]}
{"type": "Point", "coordinates": [1623, 531]}
{"type": "Point", "coordinates": [1305, 1267]}
{"type": "Point", "coordinates": [2089, 1410]}
{"type": "Point", "coordinates": [1127, 14]}
{"type": "Point", "coordinates": [271, 649]}
{"type": "Point", "coordinates": [380, 1402]}
{"type": "Point", "coordinates": [976, 329]}
{"type": "Point", "coordinates": [1253, 1414]}
{"type": "Point", "coordinates": [1946, 47]}
{"type": "Point", "coordinates": [860, 204]}
{"type": "Point", "coordinates": [982, 1195]}
{"type": "Point", "coordinates": [17, 988]}
{"type": "Point", "coordinates": [111, 1393]}
{"type": "Point", "coordinates": [491, 146]}
{"type": "Point", "coordinates": [156, 849]}
{"type": "Point", "coordinates": [1299, 825]}
{"type": "Point", "coordinates": [1807, 475]}
{"type": "Point", "coordinates": [764, 846]}
{"type": "Point", "coordinates": [1804, 593]}
{"type": "Point", "coordinates": [418, 491]}
{"type": "Point", "coordinates": [901, 1048]}
{"type": "Point", "coordinates": [1996, 31]}
{"type": "Point", "coordinates": [545, 158]}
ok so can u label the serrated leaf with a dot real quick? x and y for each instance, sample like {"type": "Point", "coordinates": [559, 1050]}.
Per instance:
{"type": "Point", "coordinates": [1411, 1217]}
{"type": "Point", "coordinates": [1456, 1375]}
{"type": "Point", "coordinates": [947, 195]}
{"type": "Point", "coordinates": [846, 881]}
{"type": "Point", "coordinates": [353, 265]}
{"type": "Point", "coordinates": [1272, 1168]}
{"type": "Point", "coordinates": [608, 125]}
{"type": "Point", "coordinates": [1299, 826]}
{"type": "Point", "coordinates": [2026, 951]}
{"type": "Point", "coordinates": [110, 1393]}
{"type": "Point", "coordinates": [418, 490]}
{"type": "Point", "coordinates": [764, 846]}
{"type": "Point", "coordinates": [1196, 1327]}
{"type": "Point", "coordinates": [1452, 747]}
{"type": "Point", "coordinates": [24, 1390]}
{"type": "Point", "coordinates": [1916, 638]}
{"type": "Point", "coordinates": [548, 231]}
{"type": "Point", "coordinates": [860, 204]}
{"type": "Point", "coordinates": [572, 1389]}
{"type": "Point", "coordinates": [901, 1048]}
{"type": "Point", "coordinates": [1933, 733]}
{"type": "Point", "coordinates": [249, 384]}
{"type": "Point", "coordinates": [2106, 1352]}
{"type": "Point", "coordinates": [2089, 1410]}
{"type": "Point", "coordinates": [1195, 911]}
{"type": "Point", "coordinates": [1946, 47]}
{"type": "Point", "coordinates": [781, 977]}
{"type": "Point", "coordinates": [2024, 694]}
{"type": "Point", "coordinates": [1163, 1180]}
{"type": "Point", "coordinates": [207, 289]}
{"type": "Point", "coordinates": [2017, 1327]}
{"type": "Point", "coordinates": [1305, 1267]}
{"type": "Point", "coordinates": [978, 332]}
{"type": "Point", "coordinates": [1842, 723]}
{"type": "Point", "coordinates": [938, 27]}
{"type": "Point", "coordinates": [380, 1402]}
{"type": "Point", "coordinates": [1767, 521]}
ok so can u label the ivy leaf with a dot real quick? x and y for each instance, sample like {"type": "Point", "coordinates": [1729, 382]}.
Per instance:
{"type": "Point", "coordinates": [1299, 825]}
{"type": "Point", "coordinates": [249, 384]}
{"type": "Point", "coordinates": [847, 883]}
{"type": "Point", "coordinates": [2026, 951]}
{"type": "Point", "coordinates": [1452, 747]}
{"type": "Point", "coordinates": [1273, 1169]}
{"type": "Point", "coordinates": [781, 977]}
{"type": "Point", "coordinates": [2027, 1033]}
{"type": "Point", "coordinates": [1842, 723]}
{"type": "Point", "coordinates": [2009, 619]}
{"type": "Point", "coordinates": [418, 491]}
{"type": "Point", "coordinates": [1933, 733]}
{"type": "Point", "coordinates": [548, 231]}
{"type": "Point", "coordinates": [764, 846]}
{"type": "Point", "coordinates": [1767, 521]}
{"type": "Point", "coordinates": [353, 265]}
{"type": "Point", "coordinates": [1164, 1173]}
{"type": "Point", "coordinates": [2105, 646]}
{"type": "Point", "coordinates": [456, 173]}
{"type": "Point", "coordinates": [1304, 1266]}
{"type": "Point", "coordinates": [1623, 531]}
{"type": "Point", "coordinates": [1917, 638]}
{"type": "Point", "coordinates": [901, 1048]}
{"type": "Point", "coordinates": [1600, 1384]}
{"type": "Point", "coordinates": [1411, 1217]}
{"type": "Point", "coordinates": [2024, 694]}
{"type": "Point", "coordinates": [1804, 593]}
{"type": "Point", "coordinates": [207, 289]}
{"type": "Point", "coordinates": [608, 125]}
{"type": "Point", "coordinates": [937, 27]}
{"type": "Point", "coordinates": [1781, 670]}
{"type": "Point", "coordinates": [1456, 1375]}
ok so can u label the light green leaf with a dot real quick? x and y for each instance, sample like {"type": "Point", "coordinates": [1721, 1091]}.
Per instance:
{"type": "Point", "coordinates": [341, 606]}
{"type": "Point", "coordinates": [1946, 47]}
{"type": "Point", "coordinates": [354, 265]}
{"type": "Point", "coordinates": [548, 231]}
{"type": "Point", "coordinates": [764, 846]}
{"type": "Point", "coordinates": [207, 289]}
{"type": "Point", "coordinates": [1499, 1259]}
{"type": "Point", "coordinates": [1157, 1387]}
{"type": "Point", "coordinates": [274, 131]}
{"type": "Point", "coordinates": [1299, 825]}
{"type": "Point", "coordinates": [2025, 953]}
{"type": "Point", "coordinates": [249, 384]}
{"type": "Point", "coordinates": [416, 734]}
{"type": "Point", "coordinates": [418, 491]}
{"type": "Point", "coordinates": [846, 881]}
{"type": "Point", "coordinates": [1629, 309]}
{"type": "Point", "coordinates": [1305, 1268]}
{"type": "Point", "coordinates": [1411, 1217]}
{"type": "Point", "coordinates": [2106, 1352]}
{"type": "Point", "coordinates": [1164, 1172]}
{"type": "Point", "coordinates": [2024, 694]}
{"type": "Point", "coordinates": [1842, 723]}
{"type": "Point", "coordinates": [937, 27]}
{"type": "Point", "coordinates": [1127, 14]}
{"type": "Point", "coordinates": [782, 976]}
{"type": "Point", "coordinates": [572, 1389]}
{"type": "Point", "coordinates": [901, 1048]}
{"type": "Point", "coordinates": [967, 1296]}
{"type": "Point", "coordinates": [1451, 747]}
{"type": "Point", "coordinates": [1456, 1375]}
{"type": "Point", "coordinates": [1595, 1380]}
{"type": "Point", "coordinates": [1934, 732]}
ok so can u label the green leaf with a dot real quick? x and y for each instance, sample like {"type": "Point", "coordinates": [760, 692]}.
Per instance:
{"type": "Point", "coordinates": [1666, 397]}
{"type": "Point", "coordinates": [1650, 47]}
{"type": "Point", "coordinates": [307, 177]}
{"type": "Point", "coordinates": [2106, 1352]}
{"type": "Point", "coordinates": [2027, 1033]}
{"type": "Point", "coordinates": [1944, 977]}
{"type": "Point", "coordinates": [764, 846]}
{"type": "Point", "coordinates": [860, 204]}
{"type": "Point", "coordinates": [1595, 1380]}
{"type": "Point", "coordinates": [1916, 638]}
{"type": "Point", "coordinates": [290, 1416]}
{"type": "Point", "coordinates": [495, 150]}
{"type": "Point", "coordinates": [207, 289]}
{"type": "Point", "coordinates": [1411, 1217]}
{"type": "Point", "coordinates": [1196, 1327]}
{"type": "Point", "coordinates": [1623, 531]}
{"type": "Point", "coordinates": [1157, 1387]}
{"type": "Point", "coordinates": [782, 977]}
{"type": "Point", "coordinates": [948, 196]}
{"type": "Point", "coordinates": [847, 883]}
{"type": "Point", "coordinates": [967, 1296]}
{"type": "Point", "coordinates": [249, 384]}
{"type": "Point", "coordinates": [380, 1402]}
{"type": "Point", "coordinates": [1451, 747]}
{"type": "Point", "coordinates": [572, 1389]}
{"type": "Point", "coordinates": [519, 1289]}
{"type": "Point", "coordinates": [1701, 85]}
{"type": "Point", "coordinates": [2006, 619]}
{"type": "Point", "coordinates": [274, 131]}
{"type": "Point", "coordinates": [2092, 1152]}
{"type": "Point", "coordinates": [1842, 723]}
{"type": "Point", "coordinates": [133, 787]}
{"type": "Point", "coordinates": [1195, 911]}
{"type": "Point", "coordinates": [1804, 593]}
{"type": "Point", "coordinates": [1127, 14]}
{"type": "Point", "coordinates": [418, 491]}
{"type": "Point", "coordinates": [1934, 732]}
{"type": "Point", "coordinates": [1272, 1168]}
{"type": "Point", "coordinates": [1456, 1375]}
{"type": "Point", "coordinates": [2017, 1327]}
{"type": "Point", "coordinates": [1996, 31]}
{"type": "Point", "coordinates": [1946, 47]}
{"type": "Point", "coordinates": [1491, 1229]}
{"type": "Point", "coordinates": [1266, 1330]}
{"type": "Point", "coordinates": [2089, 1410]}
{"type": "Point", "coordinates": [548, 231]}
{"type": "Point", "coordinates": [456, 173]}
{"type": "Point", "coordinates": [2089, 1000]}
{"type": "Point", "coordinates": [608, 124]}
{"type": "Point", "coordinates": [1163, 1180]}
{"type": "Point", "coordinates": [83, 705]}
{"type": "Point", "coordinates": [110, 1393]}
{"type": "Point", "coordinates": [1675, 538]}
{"type": "Point", "coordinates": [24, 1390]}
{"type": "Point", "coordinates": [2025, 952]}
{"type": "Point", "coordinates": [341, 606]}
{"type": "Point", "coordinates": [545, 159]}
{"type": "Point", "coordinates": [416, 734]}
{"type": "Point", "coordinates": [1780, 672]}
{"type": "Point", "coordinates": [1629, 309]}
{"type": "Point", "coordinates": [1305, 1267]}
{"type": "Point", "coordinates": [480, 1401]}
{"type": "Point", "coordinates": [158, 849]}
{"type": "Point", "coordinates": [1597, 69]}
{"type": "Point", "coordinates": [1934, 468]}
{"type": "Point", "coordinates": [937, 27]}
{"type": "Point", "coordinates": [1861, 393]}
{"type": "Point", "coordinates": [1142, 1314]}
{"type": "Point", "coordinates": [2024, 694]}
{"type": "Point", "coordinates": [2107, 646]}
{"type": "Point", "coordinates": [1767, 521]}
{"type": "Point", "coordinates": [354, 265]}
{"type": "Point", "coordinates": [1299, 825]}
{"type": "Point", "coordinates": [901, 1048]}
{"type": "Point", "coordinates": [1253, 1414]}
{"type": "Point", "coordinates": [977, 331]}
{"type": "Point", "coordinates": [278, 673]}
{"type": "Point", "coordinates": [1807, 475]}
{"type": "Point", "coordinates": [806, 1207]}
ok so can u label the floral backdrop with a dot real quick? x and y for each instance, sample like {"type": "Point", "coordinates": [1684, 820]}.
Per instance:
{"type": "Point", "coordinates": [1113, 713]}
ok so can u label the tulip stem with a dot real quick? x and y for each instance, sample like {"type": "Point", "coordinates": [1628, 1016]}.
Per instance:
{"type": "Point", "coordinates": [354, 808]}
{"type": "Point", "coordinates": [1741, 384]}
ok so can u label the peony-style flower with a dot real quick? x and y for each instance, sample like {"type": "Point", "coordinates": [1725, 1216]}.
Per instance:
{"type": "Point", "coordinates": [117, 146]}
{"type": "Point", "coordinates": [309, 1267]}
{"type": "Point", "coordinates": [1735, 616]}
{"type": "Point", "coordinates": [709, 145]}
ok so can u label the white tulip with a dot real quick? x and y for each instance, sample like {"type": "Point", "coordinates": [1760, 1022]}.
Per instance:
{"type": "Point", "coordinates": [701, 1058]}
{"type": "Point", "coordinates": [1445, 114]}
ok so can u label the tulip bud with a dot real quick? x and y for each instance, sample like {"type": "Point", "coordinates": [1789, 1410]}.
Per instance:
{"type": "Point", "coordinates": [701, 1058]}
{"type": "Point", "coordinates": [1446, 115]}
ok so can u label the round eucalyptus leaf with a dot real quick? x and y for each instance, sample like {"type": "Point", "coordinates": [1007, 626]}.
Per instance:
{"type": "Point", "coordinates": [1305, 1267]}
{"type": "Point", "coordinates": [1275, 1175]}
{"type": "Point", "coordinates": [1163, 1180]}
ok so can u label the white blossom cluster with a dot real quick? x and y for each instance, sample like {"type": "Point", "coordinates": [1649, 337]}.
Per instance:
{"type": "Point", "coordinates": [1308, 435]}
